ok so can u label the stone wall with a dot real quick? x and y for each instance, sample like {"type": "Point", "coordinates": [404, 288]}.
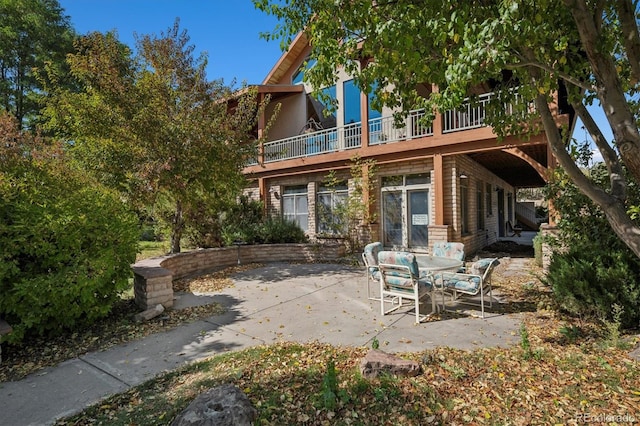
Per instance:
{"type": "Point", "coordinates": [153, 278]}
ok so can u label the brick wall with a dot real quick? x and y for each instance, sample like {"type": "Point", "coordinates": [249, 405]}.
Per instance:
{"type": "Point", "coordinates": [153, 278]}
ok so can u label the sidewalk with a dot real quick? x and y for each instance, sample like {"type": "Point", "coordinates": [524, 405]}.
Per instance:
{"type": "Point", "coordinates": [279, 302]}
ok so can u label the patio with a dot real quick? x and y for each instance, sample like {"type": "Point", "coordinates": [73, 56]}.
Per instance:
{"type": "Point", "coordinates": [328, 303]}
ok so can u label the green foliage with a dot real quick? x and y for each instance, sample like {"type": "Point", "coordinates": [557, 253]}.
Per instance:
{"type": "Point", "coordinates": [242, 221]}
{"type": "Point", "coordinates": [375, 344]}
{"type": "Point", "coordinates": [348, 216]}
{"type": "Point", "coordinates": [525, 344]}
{"type": "Point", "coordinates": [68, 244]}
{"type": "Point", "coordinates": [588, 279]}
{"type": "Point", "coordinates": [537, 248]}
{"type": "Point", "coordinates": [330, 386]}
{"type": "Point", "coordinates": [278, 230]}
{"type": "Point", "coordinates": [153, 127]}
{"type": "Point", "coordinates": [34, 34]}
{"type": "Point", "coordinates": [592, 269]}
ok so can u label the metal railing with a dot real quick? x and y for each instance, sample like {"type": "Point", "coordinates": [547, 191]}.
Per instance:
{"type": "Point", "coordinates": [382, 130]}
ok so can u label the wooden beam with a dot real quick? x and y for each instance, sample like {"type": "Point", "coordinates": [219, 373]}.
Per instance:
{"type": "Point", "coordinates": [542, 171]}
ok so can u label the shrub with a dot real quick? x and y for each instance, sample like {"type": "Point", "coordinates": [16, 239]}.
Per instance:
{"type": "Point", "coordinates": [592, 269]}
{"type": "Point", "coordinates": [67, 247]}
{"type": "Point", "coordinates": [278, 230]}
{"type": "Point", "coordinates": [588, 280]}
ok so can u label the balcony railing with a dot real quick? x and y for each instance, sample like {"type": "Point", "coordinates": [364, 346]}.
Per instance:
{"type": "Point", "coordinates": [382, 130]}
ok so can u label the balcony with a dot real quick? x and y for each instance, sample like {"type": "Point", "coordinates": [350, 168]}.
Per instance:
{"type": "Point", "coordinates": [382, 130]}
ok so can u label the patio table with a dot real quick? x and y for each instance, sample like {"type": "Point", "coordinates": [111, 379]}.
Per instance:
{"type": "Point", "coordinates": [437, 263]}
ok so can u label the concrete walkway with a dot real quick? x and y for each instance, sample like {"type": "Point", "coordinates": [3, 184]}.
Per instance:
{"type": "Point", "coordinates": [279, 302]}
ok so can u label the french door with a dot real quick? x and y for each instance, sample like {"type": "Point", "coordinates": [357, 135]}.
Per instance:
{"type": "Point", "coordinates": [405, 214]}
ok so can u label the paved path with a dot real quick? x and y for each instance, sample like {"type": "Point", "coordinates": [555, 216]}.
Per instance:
{"type": "Point", "coordinates": [279, 302]}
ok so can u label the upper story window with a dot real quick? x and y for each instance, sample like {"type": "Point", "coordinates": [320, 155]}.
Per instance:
{"type": "Point", "coordinates": [298, 76]}
{"type": "Point", "coordinates": [324, 107]}
{"type": "Point", "coordinates": [351, 101]}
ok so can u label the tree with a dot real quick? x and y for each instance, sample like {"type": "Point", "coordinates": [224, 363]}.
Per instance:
{"type": "Point", "coordinates": [67, 241]}
{"type": "Point", "coordinates": [591, 49]}
{"type": "Point", "coordinates": [153, 126]}
{"type": "Point", "coordinates": [33, 33]}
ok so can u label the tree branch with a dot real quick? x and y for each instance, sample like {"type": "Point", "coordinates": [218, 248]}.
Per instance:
{"type": "Point", "coordinates": [630, 37]}
{"type": "Point", "coordinates": [610, 157]}
{"type": "Point", "coordinates": [566, 77]}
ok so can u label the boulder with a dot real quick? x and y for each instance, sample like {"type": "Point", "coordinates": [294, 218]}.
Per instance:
{"type": "Point", "coordinates": [149, 314]}
{"type": "Point", "coordinates": [225, 405]}
{"type": "Point", "coordinates": [377, 362]}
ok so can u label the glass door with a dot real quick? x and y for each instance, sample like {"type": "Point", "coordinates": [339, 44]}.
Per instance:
{"type": "Point", "coordinates": [418, 216]}
{"type": "Point", "coordinates": [392, 214]}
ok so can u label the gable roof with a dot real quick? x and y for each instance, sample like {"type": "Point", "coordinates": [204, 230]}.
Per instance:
{"type": "Point", "coordinates": [286, 61]}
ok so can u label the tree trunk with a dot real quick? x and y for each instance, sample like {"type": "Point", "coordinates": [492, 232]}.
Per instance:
{"type": "Point", "coordinates": [613, 208]}
{"type": "Point", "coordinates": [177, 225]}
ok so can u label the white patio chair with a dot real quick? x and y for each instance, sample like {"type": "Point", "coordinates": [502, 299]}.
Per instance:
{"type": "Point", "coordinates": [400, 279]}
{"type": "Point", "coordinates": [476, 282]}
{"type": "Point", "coordinates": [370, 259]}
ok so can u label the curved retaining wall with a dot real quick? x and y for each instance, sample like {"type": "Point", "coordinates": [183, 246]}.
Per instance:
{"type": "Point", "coordinates": [153, 278]}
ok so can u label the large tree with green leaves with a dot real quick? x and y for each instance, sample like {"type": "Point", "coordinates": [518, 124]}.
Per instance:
{"type": "Point", "coordinates": [33, 34]}
{"type": "Point", "coordinates": [591, 48]}
{"type": "Point", "coordinates": [154, 126]}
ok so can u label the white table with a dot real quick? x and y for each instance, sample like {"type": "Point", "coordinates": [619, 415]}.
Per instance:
{"type": "Point", "coordinates": [438, 263]}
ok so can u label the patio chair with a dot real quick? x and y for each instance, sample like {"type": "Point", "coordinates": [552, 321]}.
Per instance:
{"type": "Point", "coordinates": [476, 282]}
{"type": "Point", "coordinates": [370, 259]}
{"type": "Point", "coordinates": [514, 230]}
{"type": "Point", "coordinates": [400, 279]}
{"type": "Point", "coordinates": [452, 250]}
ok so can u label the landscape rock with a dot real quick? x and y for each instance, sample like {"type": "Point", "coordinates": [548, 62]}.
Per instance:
{"type": "Point", "coordinates": [225, 405]}
{"type": "Point", "coordinates": [377, 362]}
{"type": "Point", "coordinates": [149, 314]}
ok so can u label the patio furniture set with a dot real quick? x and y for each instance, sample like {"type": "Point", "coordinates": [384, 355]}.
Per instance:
{"type": "Point", "coordinates": [403, 275]}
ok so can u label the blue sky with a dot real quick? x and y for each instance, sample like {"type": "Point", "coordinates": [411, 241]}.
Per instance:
{"type": "Point", "coordinates": [228, 30]}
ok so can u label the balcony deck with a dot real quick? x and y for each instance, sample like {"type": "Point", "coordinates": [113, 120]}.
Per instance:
{"type": "Point", "coordinates": [383, 130]}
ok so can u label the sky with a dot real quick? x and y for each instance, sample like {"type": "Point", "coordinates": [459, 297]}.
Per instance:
{"type": "Point", "coordinates": [228, 30]}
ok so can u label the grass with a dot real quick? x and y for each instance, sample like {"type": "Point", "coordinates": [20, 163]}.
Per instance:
{"type": "Point", "coordinates": [149, 249]}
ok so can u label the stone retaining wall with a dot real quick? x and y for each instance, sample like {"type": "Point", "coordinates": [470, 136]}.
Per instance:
{"type": "Point", "coordinates": [153, 278]}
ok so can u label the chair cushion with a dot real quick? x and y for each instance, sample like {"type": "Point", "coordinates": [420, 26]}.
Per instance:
{"type": "Point", "coordinates": [466, 284]}
{"type": "Point", "coordinates": [480, 266]}
{"type": "Point", "coordinates": [451, 250]}
{"type": "Point", "coordinates": [371, 253]}
{"type": "Point", "coordinates": [374, 272]}
{"type": "Point", "coordinates": [402, 258]}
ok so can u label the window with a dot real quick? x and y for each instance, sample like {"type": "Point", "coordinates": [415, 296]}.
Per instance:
{"type": "Point", "coordinates": [329, 200]}
{"type": "Point", "coordinates": [464, 209]}
{"type": "Point", "coordinates": [488, 200]}
{"type": "Point", "coordinates": [480, 206]}
{"type": "Point", "coordinates": [298, 76]}
{"type": "Point", "coordinates": [295, 205]}
{"type": "Point", "coordinates": [325, 107]}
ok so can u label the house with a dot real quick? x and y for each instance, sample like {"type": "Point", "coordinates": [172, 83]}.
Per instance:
{"type": "Point", "coordinates": [451, 181]}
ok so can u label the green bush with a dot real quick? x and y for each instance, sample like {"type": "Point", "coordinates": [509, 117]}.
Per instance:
{"type": "Point", "coordinates": [537, 248]}
{"type": "Point", "coordinates": [278, 230]}
{"type": "Point", "coordinates": [592, 269]}
{"type": "Point", "coordinates": [589, 281]}
{"type": "Point", "coordinates": [67, 245]}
